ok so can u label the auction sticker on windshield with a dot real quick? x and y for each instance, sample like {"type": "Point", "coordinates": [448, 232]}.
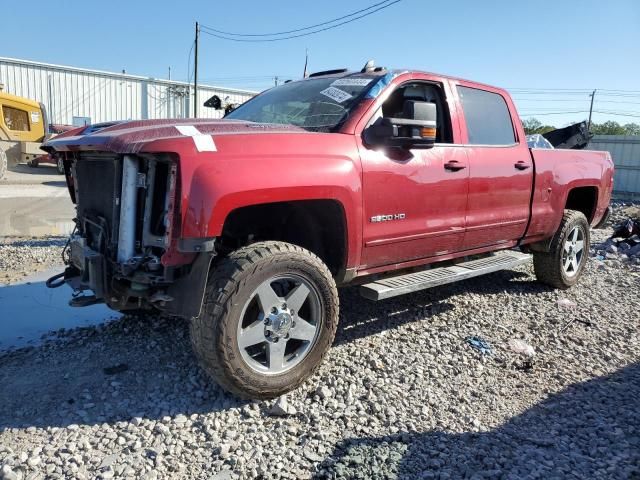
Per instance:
{"type": "Point", "coordinates": [351, 82]}
{"type": "Point", "coordinates": [336, 94]}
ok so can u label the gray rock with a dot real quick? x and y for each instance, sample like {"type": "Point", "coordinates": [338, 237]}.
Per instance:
{"type": "Point", "coordinates": [323, 392]}
{"type": "Point", "coordinates": [181, 419]}
{"type": "Point", "coordinates": [162, 429]}
{"type": "Point", "coordinates": [222, 475]}
{"type": "Point", "coordinates": [282, 408]}
{"type": "Point", "coordinates": [8, 473]}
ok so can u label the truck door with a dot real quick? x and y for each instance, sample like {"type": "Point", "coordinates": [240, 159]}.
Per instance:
{"type": "Point", "coordinates": [414, 200]}
{"type": "Point", "coordinates": [500, 168]}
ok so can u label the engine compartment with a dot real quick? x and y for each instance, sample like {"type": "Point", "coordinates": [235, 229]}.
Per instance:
{"type": "Point", "coordinates": [125, 216]}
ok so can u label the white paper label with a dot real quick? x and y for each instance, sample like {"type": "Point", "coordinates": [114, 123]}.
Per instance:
{"type": "Point", "coordinates": [352, 82]}
{"type": "Point", "coordinates": [204, 143]}
{"type": "Point", "coordinates": [336, 94]}
{"type": "Point", "coordinates": [35, 117]}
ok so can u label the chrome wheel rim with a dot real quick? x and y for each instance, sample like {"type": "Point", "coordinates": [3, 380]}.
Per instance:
{"type": "Point", "coordinates": [573, 251]}
{"type": "Point", "coordinates": [279, 324]}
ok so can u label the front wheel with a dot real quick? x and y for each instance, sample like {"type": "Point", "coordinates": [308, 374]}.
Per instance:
{"type": "Point", "coordinates": [269, 317]}
{"type": "Point", "coordinates": [563, 264]}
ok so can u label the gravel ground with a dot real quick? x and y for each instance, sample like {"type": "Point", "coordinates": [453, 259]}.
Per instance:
{"type": "Point", "coordinates": [20, 257]}
{"type": "Point", "coordinates": [401, 394]}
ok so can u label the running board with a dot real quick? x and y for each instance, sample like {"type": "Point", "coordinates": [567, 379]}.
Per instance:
{"type": "Point", "coordinates": [412, 282]}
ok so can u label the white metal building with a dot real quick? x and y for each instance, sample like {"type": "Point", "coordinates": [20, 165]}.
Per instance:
{"type": "Point", "coordinates": [78, 96]}
{"type": "Point", "coordinates": [625, 152]}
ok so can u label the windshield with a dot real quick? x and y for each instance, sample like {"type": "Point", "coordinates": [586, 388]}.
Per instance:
{"type": "Point", "coordinates": [316, 104]}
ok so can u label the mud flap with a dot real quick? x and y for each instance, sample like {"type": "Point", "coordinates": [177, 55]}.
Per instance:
{"type": "Point", "coordinates": [604, 219]}
{"type": "Point", "coordinates": [188, 291]}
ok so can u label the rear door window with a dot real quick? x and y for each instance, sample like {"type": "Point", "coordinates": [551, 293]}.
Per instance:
{"type": "Point", "coordinates": [487, 117]}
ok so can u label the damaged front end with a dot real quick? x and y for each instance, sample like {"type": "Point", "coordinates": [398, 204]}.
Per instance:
{"type": "Point", "coordinates": [126, 215]}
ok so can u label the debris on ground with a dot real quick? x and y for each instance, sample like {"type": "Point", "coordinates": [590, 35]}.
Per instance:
{"type": "Point", "coordinates": [121, 367]}
{"type": "Point", "coordinates": [565, 302]}
{"type": "Point", "coordinates": [576, 319]}
{"type": "Point", "coordinates": [520, 346]}
{"type": "Point", "coordinates": [525, 350]}
{"type": "Point", "coordinates": [624, 243]}
{"type": "Point", "coordinates": [626, 229]}
{"type": "Point", "coordinates": [480, 344]}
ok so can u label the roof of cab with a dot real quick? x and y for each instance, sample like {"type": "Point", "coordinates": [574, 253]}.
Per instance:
{"type": "Point", "coordinates": [397, 71]}
{"type": "Point", "coordinates": [22, 100]}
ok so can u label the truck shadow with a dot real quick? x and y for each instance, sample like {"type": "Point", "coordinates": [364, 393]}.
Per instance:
{"type": "Point", "coordinates": [156, 373]}
{"type": "Point", "coordinates": [45, 169]}
{"type": "Point", "coordinates": [360, 317]}
{"type": "Point", "coordinates": [129, 367]}
{"type": "Point", "coordinates": [56, 183]}
{"type": "Point", "coordinates": [588, 430]}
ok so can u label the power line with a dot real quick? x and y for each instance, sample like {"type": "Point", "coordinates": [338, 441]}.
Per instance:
{"type": "Point", "coordinates": [286, 32]}
{"type": "Point", "coordinates": [621, 114]}
{"type": "Point", "coordinates": [629, 94]}
{"type": "Point", "coordinates": [604, 112]}
{"type": "Point", "coordinates": [189, 63]}
{"type": "Point", "coordinates": [535, 114]}
{"type": "Point", "coordinates": [586, 90]}
{"type": "Point", "coordinates": [209, 30]}
{"type": "Point", "coordinates": [541, 100]}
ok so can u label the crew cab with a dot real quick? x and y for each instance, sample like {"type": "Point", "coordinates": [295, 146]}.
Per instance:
{"type": "Point", "coordinates": [246, 226]}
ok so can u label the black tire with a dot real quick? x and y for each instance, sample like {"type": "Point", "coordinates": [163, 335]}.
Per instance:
{"type": "Point", "coordinates": [549, 266]}
{"type": "Point", "coordinates": [3, 164]}
{"type": "Point", "coordinates": [32, 163]}
{"type": "Point", "coordinates": [231, 283]}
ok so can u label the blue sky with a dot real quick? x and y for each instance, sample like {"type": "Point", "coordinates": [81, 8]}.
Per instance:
{"type": "Point", "coordinates": [571, 44]}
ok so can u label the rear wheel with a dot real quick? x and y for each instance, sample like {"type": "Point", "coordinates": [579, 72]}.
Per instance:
{"type": "Point", "coordinates": [269, 318]}
{"type": "Point", "coordinates": [563, 264]}
{"type": "Point", "coordinates": [32, 163]}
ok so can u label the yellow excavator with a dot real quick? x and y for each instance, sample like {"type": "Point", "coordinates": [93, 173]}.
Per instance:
{"type": "Point", "coordinates": [23, 128]}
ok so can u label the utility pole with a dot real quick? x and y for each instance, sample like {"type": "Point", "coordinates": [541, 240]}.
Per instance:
{"type": "Point", "coordinates": [195, 74]}
{"type": "Point", "coordinates": [169, 72]}
{"type": "Point", "coordinates": [593, 95]}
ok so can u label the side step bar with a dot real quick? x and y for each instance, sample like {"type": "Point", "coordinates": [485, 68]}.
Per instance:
{"type": "Point", "coordinates": [412, 282]}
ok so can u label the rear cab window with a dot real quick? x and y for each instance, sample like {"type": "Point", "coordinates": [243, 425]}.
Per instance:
{"type": "Point", "coordinates": [487, 117]}
{"type": "Point", "coordinates": [15, 119]}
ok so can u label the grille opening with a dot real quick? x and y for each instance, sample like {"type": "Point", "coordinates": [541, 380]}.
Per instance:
{"type": "Point", "coordinates": [158, 203]}
{"type": "Point", "coordinates": [97, 180]}
{"type": "Point", "coordinates": [98, 183]}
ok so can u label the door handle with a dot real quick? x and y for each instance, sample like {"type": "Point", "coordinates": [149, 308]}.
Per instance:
{"type": "Point", "coordinates": [520, 165]}
{"type": "Point", "coordinates": [454, 166]}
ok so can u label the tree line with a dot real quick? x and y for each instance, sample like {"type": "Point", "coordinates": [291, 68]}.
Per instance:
{"type": "Point", "coordinates": [533, 125]}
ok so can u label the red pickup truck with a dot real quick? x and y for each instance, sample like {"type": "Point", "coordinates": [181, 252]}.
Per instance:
{"type": "Point", "coordinates": [392, 180]}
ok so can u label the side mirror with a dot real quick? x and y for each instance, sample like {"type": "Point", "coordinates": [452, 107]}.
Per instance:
{"type": "Point", "coordinates": [230, 108]}
{"type": "Point", "coordinates": [417, 128]}
{"type": "Point", "coordinates": [214, 102]}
